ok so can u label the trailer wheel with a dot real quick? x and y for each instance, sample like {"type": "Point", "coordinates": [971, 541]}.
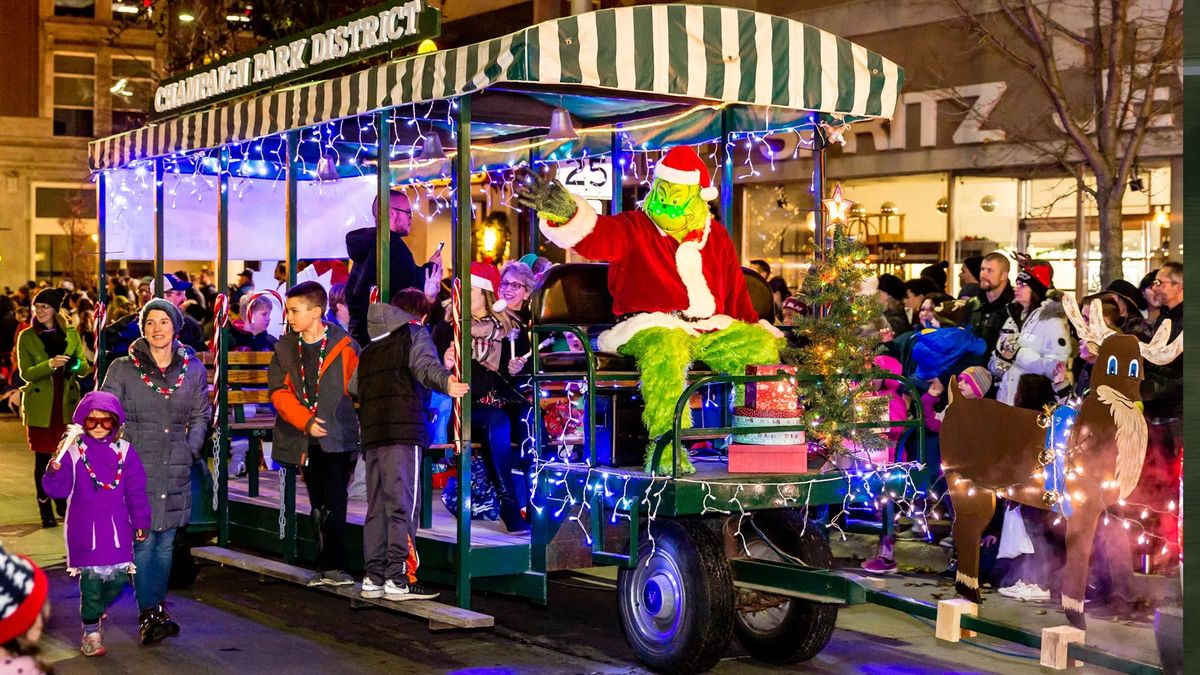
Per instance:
{"type": "Point", "coordinates": [677, 605]}
{"type": "Point", "coordinates": [791, 630]}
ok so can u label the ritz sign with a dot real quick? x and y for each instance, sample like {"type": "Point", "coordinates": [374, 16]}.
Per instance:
{"type": "Point", "coordinates": [980, 100]}
{"type": "Point", "coordinates": [386, 26]}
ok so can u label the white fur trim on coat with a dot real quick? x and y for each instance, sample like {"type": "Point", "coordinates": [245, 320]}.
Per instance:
{"type": "Point", "coordinates": [611, 339]}
{"type": "Point", "coordinates": [574, 230]}
{"type": "Point", "coordinates": [770, 328]}
{"type": "Point", "coordinates": [689, 263]}
{"type": "Point", "coordinates": [677, 176]}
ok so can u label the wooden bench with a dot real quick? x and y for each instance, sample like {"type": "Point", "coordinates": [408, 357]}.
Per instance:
{"type": "Point", "coordinates": [440, 616]}
{"type": "Point", "coordinates": [246, 381]}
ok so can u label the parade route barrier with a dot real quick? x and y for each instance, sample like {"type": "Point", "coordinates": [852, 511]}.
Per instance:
{"type": "Point", "coordinates": [440, 616]}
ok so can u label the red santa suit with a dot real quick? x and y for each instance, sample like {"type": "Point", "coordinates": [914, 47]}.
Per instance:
{"type": "Point", "coordinates": [695, 285]}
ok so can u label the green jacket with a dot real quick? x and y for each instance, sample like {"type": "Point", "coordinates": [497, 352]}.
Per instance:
{"type": "Point", "coordinates": [37, 396]}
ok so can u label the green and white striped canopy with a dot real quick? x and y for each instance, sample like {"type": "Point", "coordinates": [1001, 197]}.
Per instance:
{"type": "Point", "coordinates": [693, 52]}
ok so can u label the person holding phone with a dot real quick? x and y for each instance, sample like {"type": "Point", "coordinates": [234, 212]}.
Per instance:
{"type": "Point", "coordinates": [50, 360]}
{"type": "Point", "coordinates": [403, 269]}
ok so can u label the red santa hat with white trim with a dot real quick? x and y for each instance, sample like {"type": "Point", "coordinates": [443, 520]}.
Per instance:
{"type": "Point", "coordinates": [683, 166]}
{"type": "Point", "coordinates": [486, 277]}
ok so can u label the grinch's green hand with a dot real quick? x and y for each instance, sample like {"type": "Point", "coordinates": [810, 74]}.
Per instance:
{"type": "Point", "coordinates": [548, 197]}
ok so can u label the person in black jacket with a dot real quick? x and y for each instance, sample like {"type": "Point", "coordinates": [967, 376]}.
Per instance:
{"type": "Point", "coordinates": [404, 271]}
{"type": "Point", "coordinates": [394, 372]}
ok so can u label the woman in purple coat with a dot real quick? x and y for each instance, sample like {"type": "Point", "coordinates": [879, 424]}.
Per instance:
{"type": "Point", "coordinates": [102, 478]}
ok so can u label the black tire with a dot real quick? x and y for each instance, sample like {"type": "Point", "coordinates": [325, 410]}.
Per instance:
{"type": "Point", "coordinates": [796, 630]}
{"type": "Point", "coordinates": [676, 606]}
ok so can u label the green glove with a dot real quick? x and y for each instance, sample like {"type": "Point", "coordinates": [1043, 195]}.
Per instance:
{"type": "Point", "coordinates": [548, 197]}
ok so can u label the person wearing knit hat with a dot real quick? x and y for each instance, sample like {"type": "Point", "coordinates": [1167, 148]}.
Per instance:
{"type": "Point", "coordinates": [937, 273]}
{"type": "Point", "coordinates": [23, 612]}
{"type": "Point", "coordinates": [968, 277]}
{"type": "Point", "coordinates": [892, 295]}
{"type": "Point", "coordinates": [50, 360]}
{"type": "Point", "coordinates": [1038, 276]}
{"type": "Point", "coordinates": [165, 307]}
{"type": "Point", "coordinates": [974, 382]}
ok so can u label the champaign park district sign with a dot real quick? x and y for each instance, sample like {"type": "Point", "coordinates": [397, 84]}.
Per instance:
{"type": "Point", "coordinates": [387, 26]}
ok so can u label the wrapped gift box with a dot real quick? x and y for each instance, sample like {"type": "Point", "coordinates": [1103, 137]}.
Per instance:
{"type": "Point", "coordinates": [771, 395]}
{"type": "Point", "coordinates": [768, 458]}
{"type": "Point", "coordinates": [744, 416]}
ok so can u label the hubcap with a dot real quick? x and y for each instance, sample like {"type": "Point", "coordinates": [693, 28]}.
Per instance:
{"type": "Point", "coordinates": [656, 597]}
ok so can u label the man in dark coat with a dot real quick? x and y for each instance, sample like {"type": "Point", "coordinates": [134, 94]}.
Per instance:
{"type": "Point", "coordinates": [995, 295]}
{"type": "Point", "coordinates": [404, 271]}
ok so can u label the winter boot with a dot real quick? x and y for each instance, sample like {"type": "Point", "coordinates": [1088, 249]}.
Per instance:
{"type": "Point", "coordinates": [171, 626]}
{"type": "Point", "coordinates": [150, 627]}
{"type": "Point", "coordinates": [47, 512]}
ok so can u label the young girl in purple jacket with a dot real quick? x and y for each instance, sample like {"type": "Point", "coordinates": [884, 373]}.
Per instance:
{"type": "Point", "coordinates": [104, 483]}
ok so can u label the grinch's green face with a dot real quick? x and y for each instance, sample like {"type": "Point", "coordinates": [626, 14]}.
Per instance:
{"type": "Point", "coordinates": [676, 209]}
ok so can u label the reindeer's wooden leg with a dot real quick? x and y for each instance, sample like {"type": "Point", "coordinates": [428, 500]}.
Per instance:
{"type": "Point", "coordinates": [1081, 533]}
{"type": "Point", "coordinates": [973, 509]}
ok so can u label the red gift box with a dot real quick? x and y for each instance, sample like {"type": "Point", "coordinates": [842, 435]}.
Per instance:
{"type": "Point", "coordinates": [768, 458]}
{"type": "Point", "coordinates": [771, 395]}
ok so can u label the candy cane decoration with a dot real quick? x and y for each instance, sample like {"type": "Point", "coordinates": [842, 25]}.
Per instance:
{"type": "Point", "coordinates": [274, 294]}
{"type": "Point", "coordinates": [220, 320]}
{"type": "Point", "coordinates": [456, 323]}
{"type": "Point", "coordinates": [374, 294]}
{"type": "Point", "coordinates": [99, 318]}
{"type": "Point", "coordinates": [74, 431]}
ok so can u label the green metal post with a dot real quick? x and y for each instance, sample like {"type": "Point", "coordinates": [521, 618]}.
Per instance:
{"type": "Point", "coordinates": [159, 227]}
{"type": "Point", "coordinates": [462, 269]}
{"type": "Point", "coordinates": [818, 188]}
{"type": "Point", "coordinates": [726, 194]}
{"type": "Point", "coordinates": [222, 448]}
{"type": "Point", "coordinates": [383, 222]}
{"type": "Point", "coordinates": [289, 215]}
{"type": "Point", "coordinates": [102, 264]}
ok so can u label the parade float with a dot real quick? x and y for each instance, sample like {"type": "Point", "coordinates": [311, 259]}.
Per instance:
{"type": "Point", "coordinates": [253, 158]}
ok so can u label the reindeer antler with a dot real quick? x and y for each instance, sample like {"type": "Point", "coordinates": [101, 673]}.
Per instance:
{"type": "Point", "coordinates": [1162, 349]}
{"type": "Point", "coordinates": [1093, 329]}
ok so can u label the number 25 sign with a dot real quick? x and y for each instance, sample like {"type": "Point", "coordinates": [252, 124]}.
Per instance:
{"type": "Point", "coordinates": [590, 178]}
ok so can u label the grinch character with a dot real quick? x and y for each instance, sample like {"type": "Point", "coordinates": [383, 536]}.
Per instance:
{"type": "Point", "coordinates": [677, 286]}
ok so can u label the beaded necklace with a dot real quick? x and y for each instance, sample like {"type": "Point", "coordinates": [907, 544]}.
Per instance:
{"type": "Point", "coordinates": [305, 400]}
{"type": "Point", "coordinates": [145, 376]}
{"type": "Point", "coordinates": [100, 484]}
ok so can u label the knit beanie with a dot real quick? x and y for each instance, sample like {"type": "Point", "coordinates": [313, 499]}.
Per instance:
{"type": "Point", "coordinates": [1037, 275]}
{"type": "Point", "coordinates": [23, 588]}
{"type": "Point", "coordinates": [163, 306]}
{"type": "Point", "coordinates": [50, 296]}
{"type": "Point", "coordinates": [974, 265]}
{"type": "Point", "coordinates": [892, 285]}
{"type": "Point", "coordinates": [937, 274]}
{"type": "Point", "coordinates": [978, 379]}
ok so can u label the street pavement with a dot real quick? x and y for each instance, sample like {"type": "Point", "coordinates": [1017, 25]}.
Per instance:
{"type": "Point", "coordinates": [233, 623]}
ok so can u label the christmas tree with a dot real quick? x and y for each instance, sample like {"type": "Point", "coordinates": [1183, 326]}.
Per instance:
{"type": "Point", "coordinates": [836, 343]}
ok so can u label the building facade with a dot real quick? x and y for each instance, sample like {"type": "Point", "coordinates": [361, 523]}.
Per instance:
{"type": "Point", "coordinates": [76, 70]}
{"type": "Point", "coordinates": [957, 171]}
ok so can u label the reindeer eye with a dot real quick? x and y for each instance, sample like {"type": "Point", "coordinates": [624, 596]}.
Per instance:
{"type": "Point", "coordinates": [1111, 368]}
{"type": "Point", "coordinates": [1133, 369]}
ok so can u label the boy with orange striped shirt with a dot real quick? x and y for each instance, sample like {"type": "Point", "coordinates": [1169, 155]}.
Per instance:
{"type": "Point", "coordinates": [316, 427]}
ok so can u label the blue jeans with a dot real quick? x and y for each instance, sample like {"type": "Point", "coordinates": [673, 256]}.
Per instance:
{"type": "Point", "coordinates": [153, 560]}
{"type": "Point", "coordinates": [442, 406]}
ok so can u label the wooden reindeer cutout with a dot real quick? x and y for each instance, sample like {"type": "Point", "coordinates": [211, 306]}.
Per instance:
{"type": "Point", "coordinates": [992, 450]}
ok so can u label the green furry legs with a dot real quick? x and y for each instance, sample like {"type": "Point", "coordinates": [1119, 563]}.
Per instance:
{"type": "Point", "coordinates": [662, 356]}
{"type": "Point", "coordinates": [742, 344]}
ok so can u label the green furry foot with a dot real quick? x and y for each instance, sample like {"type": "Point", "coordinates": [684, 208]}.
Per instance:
{"type": "Point", "coordinates": [666, 462]}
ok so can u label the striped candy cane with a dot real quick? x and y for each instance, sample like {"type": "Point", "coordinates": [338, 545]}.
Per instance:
{"type": "Point", "coordinates": [220, 320]}
{"type": "Point", "coordinates": [99, 318]}
{"type": "Point", "coordinates": [274, 294]}
{"type": "Point", "coordinates": [374, 294]}
{"type": "Point", "coordinates": [456, 323]}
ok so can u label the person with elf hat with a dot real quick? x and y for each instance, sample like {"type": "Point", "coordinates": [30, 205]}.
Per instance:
{"type": "Point", "coordinates": [1035, 338]}
{"type": "Point", "coordinates": [24, 611]}
{"type": "Point", "coordinates": [492, 392]}
{"type": "Point", "coordinates": [675, 278]}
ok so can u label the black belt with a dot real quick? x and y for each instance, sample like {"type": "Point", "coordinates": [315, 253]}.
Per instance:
{"type": "Point", "coordinates": [676, 314]}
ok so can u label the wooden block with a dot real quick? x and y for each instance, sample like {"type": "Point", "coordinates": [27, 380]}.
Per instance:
{"type": "Point", "coordinates": [949, 619]}
{"type": "Point", "coordinates": [877, 583]}
{"type": "Point", "coordinates": [1055, 641]}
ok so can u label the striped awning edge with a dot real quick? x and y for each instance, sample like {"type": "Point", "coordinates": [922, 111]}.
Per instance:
{"type": "Point", "coordinates": [712, 53]}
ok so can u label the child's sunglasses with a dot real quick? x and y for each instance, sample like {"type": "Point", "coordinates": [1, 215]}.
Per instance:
{"type": "Point", "coordinates": [106, 423]}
